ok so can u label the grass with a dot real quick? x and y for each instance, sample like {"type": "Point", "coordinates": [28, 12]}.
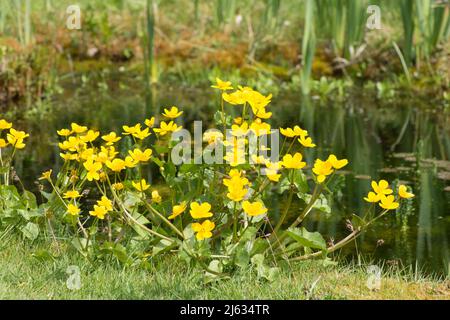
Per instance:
{"type": "Point", "coordinates": [23, 276]}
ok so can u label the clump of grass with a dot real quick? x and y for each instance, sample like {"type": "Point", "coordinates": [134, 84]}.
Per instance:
{"type": "Point", "coordinates": [41, 274]}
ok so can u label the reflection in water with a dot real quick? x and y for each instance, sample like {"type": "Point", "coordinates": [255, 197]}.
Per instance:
{"type": "Point", "coordinates": [391, 141]}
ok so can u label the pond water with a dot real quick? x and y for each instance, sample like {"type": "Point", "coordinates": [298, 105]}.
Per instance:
{"type": "Point", "coordinates": [381, 139]}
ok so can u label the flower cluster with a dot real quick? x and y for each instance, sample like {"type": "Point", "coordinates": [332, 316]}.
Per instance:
{"type": "Point", "coordinates": [382, 194]}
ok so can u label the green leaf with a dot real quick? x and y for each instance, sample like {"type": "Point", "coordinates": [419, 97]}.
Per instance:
{"type": "Point", "coordinates": [163, 246]}
{"type": "Point", "coordinates": [300, 181]}
{"type": "Point", "coordinates": [320, 204]}
{"type": "Point", "coordinates": [29, 200]}
{"type": "Point", "coordinates": [30, 230]}
{"type": "Point", "coordinates": [307, 239]}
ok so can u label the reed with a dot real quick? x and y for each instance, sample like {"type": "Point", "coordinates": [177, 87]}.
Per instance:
{"type": "Point", "coordinates": [308, 46]}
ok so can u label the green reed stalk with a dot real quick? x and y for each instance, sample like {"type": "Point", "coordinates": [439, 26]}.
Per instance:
{"type": "Point", "coordinates": [308, 47]}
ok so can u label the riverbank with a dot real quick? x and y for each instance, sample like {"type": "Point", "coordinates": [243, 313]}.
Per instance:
{"type": "Point", "coordinates": [35, 271]}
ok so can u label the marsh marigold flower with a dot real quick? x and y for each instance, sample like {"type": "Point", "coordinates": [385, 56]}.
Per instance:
{"type": "Point", "coordinates": [222, 85]}
{"type": "Point", "coordinates": [72, 209]}
{"type": "Point", "coordinates": [200, 211]}
{"type": "Point", "coordinates": [150, 122]}
{"type": "Point", "coordinates": [5, 124]}
{"type": "Point", "coordinates": [76, 128]}
{"type": "Point", "coordinates": [382, 187]}
{"type": "Point", "coordinates": [72, 194]}
{"type": "Point", "coordinates": [131, 130]}
{"type": "Point", "coordinates": [293, 162]}
{"type": "Point", "coordinates": [46, 175]}
{"type": "Point", "coordinates": [16, 137]}
{"type": "Point", "coordinates": [141, 156]}
{"type": "Point", "coordinates": [64, 132]}
{"type": "Point", "coordinates": [90, 136]}
{"type": "Point", "coordinates": [203, 229]}
{"type": "Point", "coordinates": [3, 143]}
{"type": "Point", "coordinates": [172, 113]}
{"type": "Point", "coordinates": [140, 185]}
{"type": "Point", "coordinates": [177, 210]}
{"type": "Point", "coordinates": [111, 138]}
{"type": "Point", "coordinates": [306, 142]}
{"type": "Point", "coordinates": [335, 163]}
{"type": "Point", "coordinates": [156, 198]}
{"type": "Point", "coordinates": [254, 208]}
{"type": "Point", "coordinates": [99, 212]}
{"type": "Point", "coordinates": [141, 134]}
{"type": "Point", "coordinates": [92, 167]}
{"type": "Point", "coordinates": [116, 165]}
{"type": "Point", "coordinates": [372, 197]}
{"type": "Point", "coordinates": [106, 203]}
{"type": "Point", "coordinates": [403, 192]}
{"type": "Point", "coordinates": [388, 202]}
{"type": "Point", "coordinates": [166, 128]}
{"type": "Point", "coordinates": [322, 169]}
{"type": "Point", "coordinates": [295, 132]}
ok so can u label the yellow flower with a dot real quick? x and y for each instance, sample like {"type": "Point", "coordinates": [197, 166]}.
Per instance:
{"type": "Point", "coordinates": [47, 175]}
{"type": "Point", "coordinates": [140, 185]}
{"type": "Point", "coordinates": [236, 193]}
{"type": "Point", "coordinates": [235, 180]}
{"type": "Point", "coordinates": [118, 186]}
{"type": "Point", "coordinates": [263, 114]}
{"type": "Point", "coordinates": [71, 144]}
{"type": "Point", "coordinates": [99, 212]}
{"type": "Point", "coordinates": [222, 85]}
{"type": "Point", "coordinates": [259, 159]}
{"type": "Point", "coordinates": [64, 132]}
{"type": "Point", "coordinates": [5, 124]}
{"type": "Point", "coordinates": [177, 210]}
{"type": "Point", "coordinates": [239, 130]}
{"type": "Point", "coordinates": [73, 210]}
{"type": "Point", "coordinates": [403, 192]}
{"type": "Point", "coordinates": [212, 136]}
{"type": "Point", "coordinates": [68, 156]}
{"type": "Point", "coordinates": [131, 130]}
{"type": "Point", "coordinates": [142, 134]}
{"type": "Point", "coordinates": [234, 98]}
{"type": "Point", "coordinates": [116, 165]}
{"type": "Point", "coordinates": [77, 128]}
{"type": "Point", "coordinates": [293, 162]}
{"type": "Point", "coordinates": [150, 122]}
{"type": "Point", "coordinates": [295, 132]}
{"type": "Point", "coordinates": [172, 113]}
{"type": "Point", "coordinates": [260, 128]}
{"type": "Point", "coordinates": [15, 138]}
{"type": "Point", "coordinates": [130, 162]}
{"type": "Point", "coordinates": [3, 143]}
{"type": "Point", "coordinates": [254, 208]}
{"type": "Point", "coordinates": [372, 197]}
{"type": "Point", "coordinates": [156, 198]}
{"type": "Point", "coordinates": [167, 128]}
{"type": "Point", "coordinates": [272, 171]}
{"type": "Point", "coordinates": [106, 203]}
{"type": "Point", "coordinates": [92, 168]}
{"type": "Point", "coordinates": [111, 138]}
{"type": "Point", "coordinates": [203, 229]}
{"type": "Point", "coordinates": [382, 187]}
{"type": "Point", "coordinates": [337, 164]}
{"type": "Point", "coordinates": [90, 136]}
{"type": "Point", "coordinates": [73, 194]}
{"type": "Point", "coordinates": [388, 202]}
{"type": "Point", "coordinates": [141, 156]}
{"type": "Point", "coordinates": [200, 211]}
{"type": "Point", "coordinates": [322, 169]}
{"type": "Point", "coordinates": [306, 142]}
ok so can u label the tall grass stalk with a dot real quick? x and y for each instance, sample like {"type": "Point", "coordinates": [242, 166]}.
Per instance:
{"type": "Point", "coordinates": [308, 46]}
